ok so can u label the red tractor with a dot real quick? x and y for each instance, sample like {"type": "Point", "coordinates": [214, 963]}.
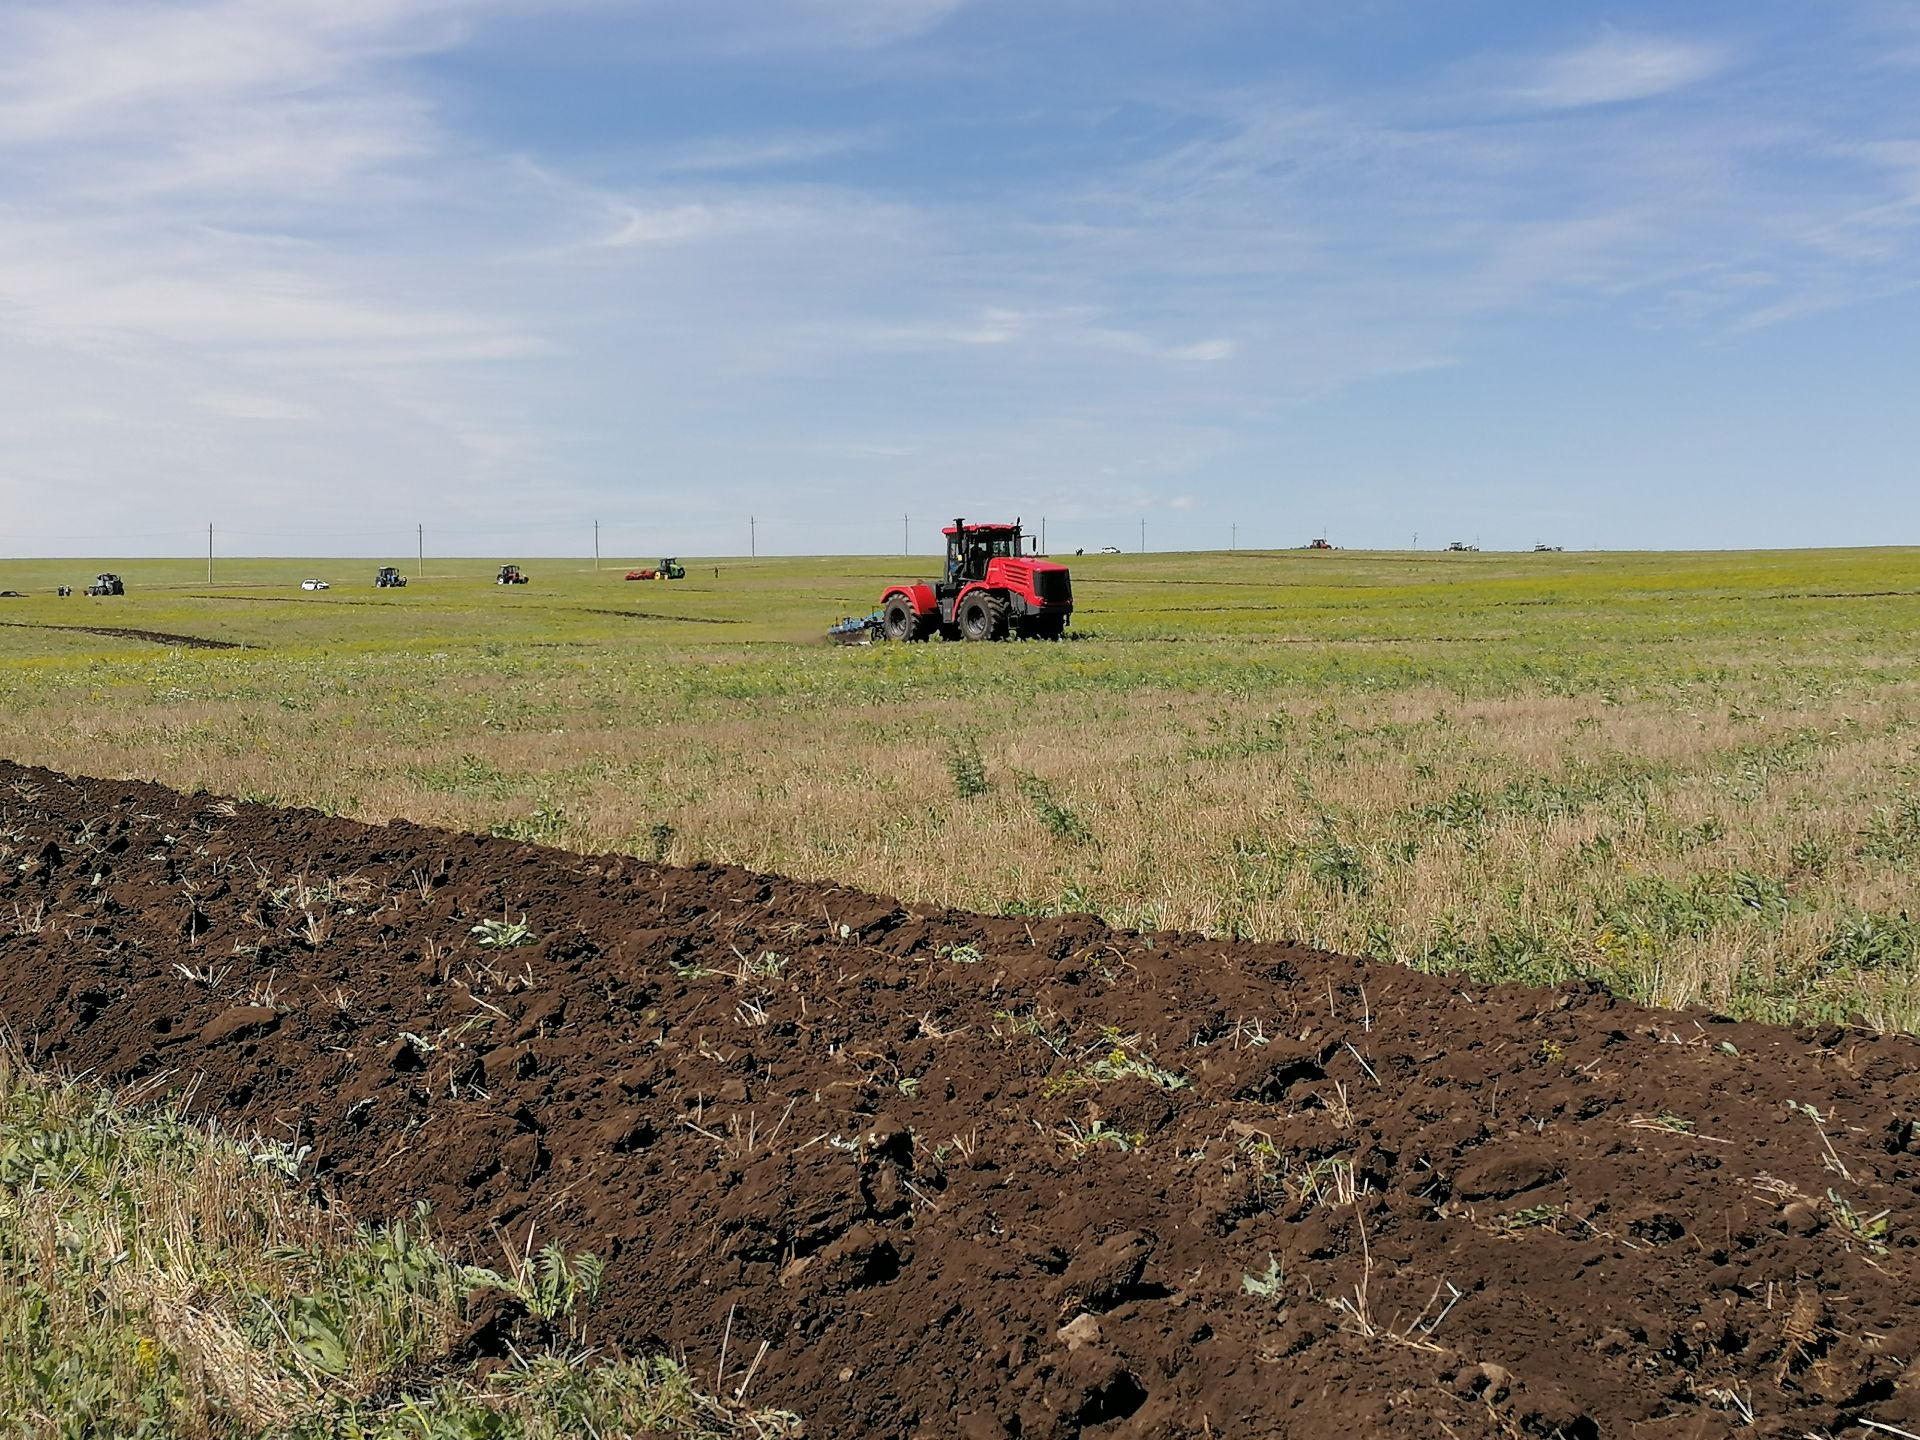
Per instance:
{"type": "Point", "coordinates": [993, 586]}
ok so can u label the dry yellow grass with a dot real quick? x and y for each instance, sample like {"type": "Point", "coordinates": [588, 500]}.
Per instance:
{"type": "Point", "coordinates": [1692, 781]}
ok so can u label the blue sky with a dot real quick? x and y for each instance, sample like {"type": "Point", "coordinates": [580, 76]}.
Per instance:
{"type": "Point", "coordinates": [318, 270]}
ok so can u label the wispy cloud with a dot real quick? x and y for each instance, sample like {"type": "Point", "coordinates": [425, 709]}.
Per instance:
{"type": "Point", "coordinates": [249, 247]}
{"type": "Point", "coordinates": [252, 407]}
{"type": "Point", "coordinates": [1619, 67]}
{"type": "Point", "coordinates": [734, 153]}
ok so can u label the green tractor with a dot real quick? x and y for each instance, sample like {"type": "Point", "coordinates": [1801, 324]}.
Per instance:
{"type": "Point", "coordinates": [672, 569]}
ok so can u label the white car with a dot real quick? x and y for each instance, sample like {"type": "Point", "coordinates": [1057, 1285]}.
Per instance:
{"type": "Point", "coordinates": [1109, 549]}
{"type": "Point", "coordinates": [315, 585]}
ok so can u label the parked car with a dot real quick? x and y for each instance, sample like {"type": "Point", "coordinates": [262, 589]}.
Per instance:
{"type": "Point", "coordinates": [315, 585]}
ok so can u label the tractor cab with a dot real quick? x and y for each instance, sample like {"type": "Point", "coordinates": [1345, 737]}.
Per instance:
{"type": "Point", "coordinates": [971, 549]}
{"type": "Point", "coordinates": [107, 583]}
{"type": "Point", "coordinates": [672, 569]}
{"type": "Point", "coordinates": [389, 578]}
{"type": "Point", "coordinates": [511, 575]}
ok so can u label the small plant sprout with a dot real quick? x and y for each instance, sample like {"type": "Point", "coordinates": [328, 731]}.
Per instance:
{"type": "Point", "coordinates": [1249, 1033]}
{"type": "Point", "coordinates": [1084, 1140]}
{"type": "Point", "coordinates": [551, 1284]}
{"type": "Point", "coordinates": [1118, 1060]}
{"type": "Point", "coordinates": [281, 1157]}
{"type": "Point", "coordinates": [1833, 1160]}
{"type": "Point", "coordinates": [1870, 1231]}
{"type": "Point", "coordinates": [1270, 1286]}
{"type": "Point", "coordinates": [1671, 1123]}
{"type": "Point", "coordinates": [1531, 1218]}
{"type": "Point", "coordinates": [502, 934]}
{"type": "Point", "coordinates": [968, 954]}
{"type": "Point", "coordinates": [770, 966]}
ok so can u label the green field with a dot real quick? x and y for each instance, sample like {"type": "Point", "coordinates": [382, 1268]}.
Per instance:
{"type": "Point", "coordinates": [1694, 776]}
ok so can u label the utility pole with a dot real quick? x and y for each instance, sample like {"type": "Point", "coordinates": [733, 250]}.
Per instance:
{"type": "Point", "coordinates": [1234, 543]}
{"type": "Point", "coordinates": [1143, 534]}
{"type": "Point", "coordinates": [904, 542]}
{"type": "Point", "coordinates": [753, 537]}
{"type": "Point", "coordinates": [1043, 534]}
{"type": "Point", "coordinates": [420, 544]}
{"type": "Point", "coordinates": [596, 544]}
{"type": "Point", "coordinates": [209, 552]}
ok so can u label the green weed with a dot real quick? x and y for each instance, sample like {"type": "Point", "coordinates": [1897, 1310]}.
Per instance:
{"type": "Point", "coordinates": [503, 934]}
{"type": "Point", "coordinates": [967, 769]}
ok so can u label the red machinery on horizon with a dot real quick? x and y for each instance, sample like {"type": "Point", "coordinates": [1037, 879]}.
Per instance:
{"type": "Point", "coordinates": [994, 585]}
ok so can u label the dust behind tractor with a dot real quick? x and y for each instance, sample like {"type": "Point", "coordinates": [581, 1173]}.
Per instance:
{"type": "Point", "coordinates": [994, 585]}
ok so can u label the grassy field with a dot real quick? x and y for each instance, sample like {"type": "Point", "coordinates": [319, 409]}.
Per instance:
{"type": "Point", "coordinates": [1694, 776]}
{"type": "Point", "coordinates": [158, 1278]}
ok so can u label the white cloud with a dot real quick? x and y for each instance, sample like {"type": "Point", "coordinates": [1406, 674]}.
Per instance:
{"type": "Point", "coordinates": [731, 154]}
{"type": "Point", "coordinates": [96, 68]}
{"type": "Point", "coordinates": [252, 407]}
{"type": "Point", "coordinates": [742, 25]}
{"type": "Point", "coordinates": [1205, 350]}
{"type": "Point", "coordinates": [1619, 67]}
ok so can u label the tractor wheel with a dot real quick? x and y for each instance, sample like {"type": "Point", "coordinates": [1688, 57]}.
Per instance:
{"type": "Point", "coordinates": [902, 621]}
{"type": "Point", "coordinates": [983, 617]}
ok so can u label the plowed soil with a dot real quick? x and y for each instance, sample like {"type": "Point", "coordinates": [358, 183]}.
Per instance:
{"type": "Point", "coordinates": [118, 632]}
{"type": "Point", "coordinates": [991, 1177]}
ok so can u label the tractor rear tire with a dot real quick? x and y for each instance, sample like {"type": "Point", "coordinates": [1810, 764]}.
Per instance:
{"type": "Point", "coordinates": [902, 621]}
{"type": "Point", "coordinates": [983, 617]}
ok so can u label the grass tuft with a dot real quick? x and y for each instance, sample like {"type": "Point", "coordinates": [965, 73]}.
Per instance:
{"type": "Point", "coordinates": [158, 1278]}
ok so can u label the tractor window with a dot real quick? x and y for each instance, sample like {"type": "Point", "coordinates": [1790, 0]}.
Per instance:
{"type": "Point", "coordinates": [1005, 547]}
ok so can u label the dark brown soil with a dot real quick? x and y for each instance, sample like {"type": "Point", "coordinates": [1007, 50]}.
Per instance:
{"type": "Point", "coordinates": [119, 632]}
{"type": "Point", "coordinates": [926, 1159]}
{"type": "Point", "coordinates": [655, 615]}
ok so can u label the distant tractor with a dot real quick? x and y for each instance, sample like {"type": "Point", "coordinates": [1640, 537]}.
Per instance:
{"type": "Point", "coordinates": [992, 587]}
{"type": "Point", "coordinates": [511, 575]}
{"type": "Point", "coordinates": [1461, 546]}
{"type": "Point", "coordinates": [389, 579]}
{"type": "Point", "coordinates": [668, 569]}
{"type": "Point", "coordinates": [1319, 545]}
{"type": "Point", "coordinates": [107, 583]}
